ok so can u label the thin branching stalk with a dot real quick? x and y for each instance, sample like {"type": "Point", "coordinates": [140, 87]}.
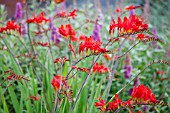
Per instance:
{"type": "Point", "coordinates": [51, 52]}
{"type": "Point", "coordinates": [114, 68]}
{"type": "Point", "coordinates": [9, 84]}
{"type": "Point", "coordinates": [37, 57]}
{"type": "Point", "coordinates": [77, 96]}
{"type": "Point", "coordinates": [150, 64]}
{"type": "Point", "coordinates": [28, 32]}
{"type": "Point", "coordinates": [129, 50]}
{"type": "Point", "coordinates": [58, 94]}
{"type": "Point", "coordinates": [85, 80]}
{"type": "Point", "coordinates": [13, 55]}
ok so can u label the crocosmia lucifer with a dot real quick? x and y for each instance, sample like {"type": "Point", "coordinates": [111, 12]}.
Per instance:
{"type": "Point", "coordinates": [56, 82]}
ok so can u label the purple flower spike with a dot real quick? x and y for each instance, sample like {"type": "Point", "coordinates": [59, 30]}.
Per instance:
{"type": "Point", "coordinates": [96, 32]}
{"type": "Point", "coordinates": [55, 36]}
{"type": "Point", "coordinates": [155, 31]}
{"type": "Point", "coordinates": [18, 12]}
{"type": "Point", "coordinates": [145, 108]}
{"type": "Point", "coordinates": [131, 13]}
{"type": "Point", "coordinates": [136, 82]}
{"type": "Point", "coordinates": [130, 91]}
{"type": "Point", "coordinates": [128, 70]}
{"type": "Point", "coordinates": [24, 30]}
{"type": "Point", "coordinates": [128, 67]}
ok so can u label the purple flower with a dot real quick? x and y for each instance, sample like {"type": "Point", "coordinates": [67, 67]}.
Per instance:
{"type": "Point", "coordinates": [24, 30]}
{"type": "Point", "coordinates": [130, 91]}
{"type": "Point", "coordinates": [128, 70]}
{"type": "Point", "coordinates": [40, 36]}
{"type": "Point", "coordinates": [154, 43]}
{"type": "Point", "coordinates": [128, 67]}
{"type": "Point", "coordinates": [97, 27]}
{"type": "Point", "coordinates": [18, 12]}
{"type": "Point", "coordinates": [136, 82]}
{"type": "Point", "coordinates": [145, 108]}
{"type": "Point", "coordinates": [155, 32]}
{"type": "Point", "coordinates": [55, 36]}
{"type": "Point", "coordinates": [96, 32]}
{"type": "Point", "coordinates": [131, 13]}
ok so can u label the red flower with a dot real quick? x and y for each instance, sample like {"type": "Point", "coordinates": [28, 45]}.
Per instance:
{"type": "Point", "coordinates": [56, 82]}
{"type": "Point", "coordinates": [101, 105]}
{"type": "Point", "coordinates": [58, 1]}
{"type": "Point", "coordinates": [10, 25]}
{"type": "Point", "coordinates": [45, 44]}
{"type": "Point", "coordinates": [73, 13]}
{"type": "Point", "coordinates": [35, 98]}
{"type": "Point", "coordinates": [118, 10]}
{"type": "Point", "coordinates": [107, 57]}
{"type": "Point", "coordinates": [72, 50]}
{"type": "Point", "coordinates": [100, 68]}
{"type": "Point", "coordinates": [112, 26]}
{"type": "Point", "coordinates": [130, 25]}
{"type": "Point", "coordinates": [127, 103]}
{"type": "Point", "coordinates": [38, 19]}
{"type": "Point", "coordinates": [132, 7]}
{"type": "Point", "coordinates": [140, 36]}
{"type": "Point", "coordinates": [161, 72]}
{"type": "Point", "coordinates": [143, 94]}
{"type": "Point", "coordinates": [87, 70]}
{"type": "Point", "coordinates": [139, 111]}
{"type": "Point", "coordinates": [64, 15]}
{"type": "Point", "coordinates": [59, 60]}
{"type": "Point", "coordinates": [90, 43]}
{"type": "Point", "coordinates": [68, 32]}
{"type": "Point", "coordinates": [83, 37]}
{"type": "Point", "coordinates": [115, 104]}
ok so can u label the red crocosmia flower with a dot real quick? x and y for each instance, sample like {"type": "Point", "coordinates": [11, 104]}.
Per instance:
{"type": "Point", "coordinates": [73, 13]}
{"type": "Point", "coordinates": [61, 14]}
{"type": "Point", "coordinates": [128, 25]}
{"type": "Point", "coordinates": [107, 57]}
{"type": "Point", "coordinates": [56, 82]}
{"type": "Point", "coordinates": [139, 111]}
{"type": "Point", "coordinates": [161, 72]}
{"type": "Point", "coordinates": [140, 36]}
{"type": "Point", "coordinates": [127, 103]}
{"type": "Point", "coordinates": [143, 94]}
{"type": "Point", "coordinates": [90, 43]}
{"type": "Point", "coordinates": [132, 7]}
{"type": "Point", "coordinates": [115, 104]}
{"type": "Point", "coordinates": [72, 50]}
{"type": "Point", "coordinates": [59, 60]}
{"type": "Point", "coordinates": [10, 25]}
{"type": "Point", "coordinates": [118, 10]}
{"type": "Point", "coordinates": [35, 98]}
{"type": "Point", "coordinates": [87, 70]}
{"type": "Point", "coordinates": [45, 44]}
{"type": "Point", "coordinates": [101, 105]}
{"type": "Point", "coordinates": [82, 37]}
{"type": "Point", "coordinates": [58, 1]}
{"type": "Point", "coordinates": [68, 32]}
{"type": "Point", "coordinates": [38, 19]}
{"type": "Point", "coordinates": [100, 68]}
{"type": "Point", "coordinates": [112, 26]}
